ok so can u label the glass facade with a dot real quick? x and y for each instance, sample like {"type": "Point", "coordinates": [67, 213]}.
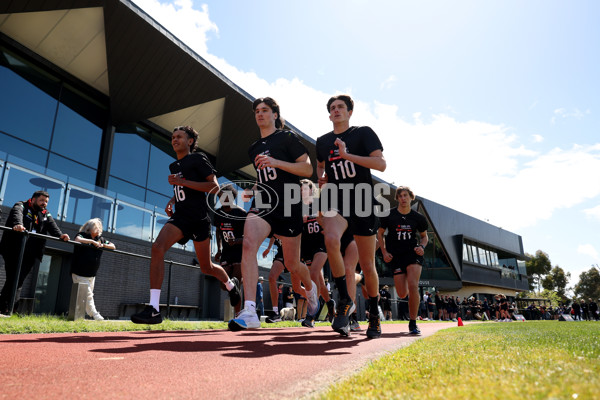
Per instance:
{"type": "Point", "coordinates": [47, 122]}
{"type": "Point", "coordinates": [50, 138]}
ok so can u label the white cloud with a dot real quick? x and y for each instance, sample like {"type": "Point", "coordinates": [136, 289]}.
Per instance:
{"type": "Point", "coordinates": [188, 24]}
{"type": "Point", "coordinates": [564, 113]}
{"type": "Point", "coordinates": [476, 167]}
{"type": "Point", "coordinates": [593, 212]}
{"type": "Point", "coordinates": [538, 138]}
{"type": "Point", "coordinates": [388, 83]}
{"type": "Point", "coordinates": [588, 250]}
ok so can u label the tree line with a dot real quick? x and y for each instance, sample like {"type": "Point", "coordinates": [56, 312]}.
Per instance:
{"type": "Point", "coordinates": [553, 281]}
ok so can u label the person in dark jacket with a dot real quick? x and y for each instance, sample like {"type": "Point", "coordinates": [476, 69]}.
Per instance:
{"type": "Point", "coordinates": [31, 216]}
{"type": "Point", "coordinates": [86, 261]}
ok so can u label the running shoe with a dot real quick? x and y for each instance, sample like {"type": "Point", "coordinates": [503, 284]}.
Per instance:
{"type": "Point", "coordinates": [148, 316]}
{"type": "Point", "coordinates": [274, 317]}
{"type": "Point", "coordinates": [234, 293]}
{"type": "Point", "coordinates": [354, 325]}
{"type": "Point", "coordinates": [246, 319]}
{"type": "Point", "coordinates": [374, 329]}
{"type": "Point", "coordinates": [330, 310]}
{"type": "Point", "coordinates": [98, 317]}
{"type": "Point", "coordinates": [312, 297]}
{"type": "Point", "coordinates": [341, 321]}
{"type": "Point", "coordinates": [308, 322]}
{"type": "Point", "coordinates": [414, 329]}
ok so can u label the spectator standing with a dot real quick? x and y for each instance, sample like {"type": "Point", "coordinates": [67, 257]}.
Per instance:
{"type": "Point", "coordinates": [439, 306]}
{"type": "Point", "coordinates": [430, 306]}
{"type": "Point", "coordinates": [25, 216]}
{"type": "Point", "coordinates": [584, 310]}
{"type": "Point", "coordinates": [86, 261]}
{"type": "Point", "coordinates": [576, 310]}
{"type": "Point", "coordinates": [593, 308]}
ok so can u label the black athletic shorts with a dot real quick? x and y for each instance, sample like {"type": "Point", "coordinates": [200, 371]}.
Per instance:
{"type": "Point", "coordinates": [307, 255]}
{"type": "Point", "coordinates": [290, 226]}
{"type": "Point", "coordinates": [196, 229]}
{"type": "Point", "coordinates": [402, 260]}
{"type": "Point", "coordinates": [362, 226]}
{"type": "Point", "coordinates": [345, 241]}
{"type": "Point", "coordinates": [231, 255]}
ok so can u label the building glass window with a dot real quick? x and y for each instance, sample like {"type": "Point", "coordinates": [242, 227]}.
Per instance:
{"type": "Point", "coordinates": [27, 109]}
{"type": "Point", "coordinates": [130, 154]}
{"type": "Point", "coordinates": [475, 253]}
{"type": "Point", "coordinates": [161, 155]}
{"type": "Point", "coordinates": [71, 168]}
{"type": "Point", "coordinates": [37, 110]}
{"type": "Point", "coordinates": [76, 138]}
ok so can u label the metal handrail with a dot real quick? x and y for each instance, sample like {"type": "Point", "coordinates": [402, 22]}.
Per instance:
{"type": "Point", "coordinates": [27, 234]}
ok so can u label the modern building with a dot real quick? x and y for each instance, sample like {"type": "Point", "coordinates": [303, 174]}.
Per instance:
{"type": "Point", "coordinates": [89, 94]}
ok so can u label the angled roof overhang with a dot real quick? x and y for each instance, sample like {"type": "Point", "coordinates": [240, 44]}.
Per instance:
{"type": "Point", "coordinates": [144, 71]}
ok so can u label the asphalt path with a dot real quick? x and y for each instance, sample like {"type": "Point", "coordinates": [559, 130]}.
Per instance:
{"type": "Point", "coordinates": [208, 364]}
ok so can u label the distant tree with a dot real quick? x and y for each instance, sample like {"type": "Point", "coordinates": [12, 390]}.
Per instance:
{"type": "Point", "coordinates": [589, 284]}
{"type": "Point", "coordinates": [537, 266]}
{"type": "Point", "coordinates": [557, 281]}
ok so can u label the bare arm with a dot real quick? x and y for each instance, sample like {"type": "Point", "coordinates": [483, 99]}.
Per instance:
{"type": "Point", "coordinates": [321, 174]}
{"type": "Point", "coordinates": [266, 252]}
{"type": "Point", "coordinates": [420, 250]}
{"type": "Point", "coordinates": [374, 160]}
{"type": "Point", "coordinates": [82, 240]}
{"type": "Point", "coordinates": [210, 185]}
{"type": "Point", "coordinates": [387, 257]}
{"type": "Point", "coordinates": [301, 166]}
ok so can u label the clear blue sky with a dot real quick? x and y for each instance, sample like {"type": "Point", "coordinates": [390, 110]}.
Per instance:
{"type": "Point", "coordinates": [490, 108]}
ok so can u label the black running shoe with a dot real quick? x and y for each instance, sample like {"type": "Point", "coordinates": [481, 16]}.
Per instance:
{"type": "Point", "coordinates": [374, 329]}
{"type": "Point", "coordinates": [308, 322]}
{"type": "Point", "coordinates": [149, 316]}
{"type": "Point", "coordinates": [341, 321]}
{"type": "Point", "coordinates": [414, 330]}
{"type": "Point", "coordinates": [330, 310]}
{"type": "Point", "coordinates": [272, 318]}
{"type": "Point", "coordinates": [354, 325]}
{"type": "Point", "coordinates": [234, 294]}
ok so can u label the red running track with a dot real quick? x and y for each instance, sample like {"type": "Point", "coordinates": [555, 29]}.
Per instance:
{"type": "Point", "coordinates": [209, 364]}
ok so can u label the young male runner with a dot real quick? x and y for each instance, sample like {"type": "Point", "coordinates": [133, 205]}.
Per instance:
{"type": "Point", "coordinates": [345, 158]}
{"type": "Point", "coordinates": [403, 248]}
{"type": "Point", "coordinates": [280, 159]}
{"type": "Point", "coordinates": [192, 176]}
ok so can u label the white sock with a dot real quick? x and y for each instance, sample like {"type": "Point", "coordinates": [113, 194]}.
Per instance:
{"type": "Point", "coordinates": [229, 285]}
{"type": "Point", "coordinates": [276, 310]}
{"type": "Point", "coordinates": [155, 298]}
{"type": "Point", "coordinates": [250, 305]}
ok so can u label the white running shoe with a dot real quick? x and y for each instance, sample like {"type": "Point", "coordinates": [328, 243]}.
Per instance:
{"type": "Point", "coordinates": [246, 319]}
{"type": "Point", "coordinates": [313, 300]}
{"type": "Point", "coordinates": [98, 317]}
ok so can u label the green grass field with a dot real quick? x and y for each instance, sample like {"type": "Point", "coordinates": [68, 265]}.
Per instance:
{"type": "Point", "coordinates": [532, 360]}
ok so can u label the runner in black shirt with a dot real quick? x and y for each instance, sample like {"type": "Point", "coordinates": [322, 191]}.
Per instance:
{"type": "Point", "coordinates": [403, 248]}
{"type": "Point", "coordinates": [346, 156]}
{"type": "Point", "coordinates": [280, 160]}
{"type": "Point", "coordinates": [192, 176]}
{"type": "Point", "coordinates": [229, 222]}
